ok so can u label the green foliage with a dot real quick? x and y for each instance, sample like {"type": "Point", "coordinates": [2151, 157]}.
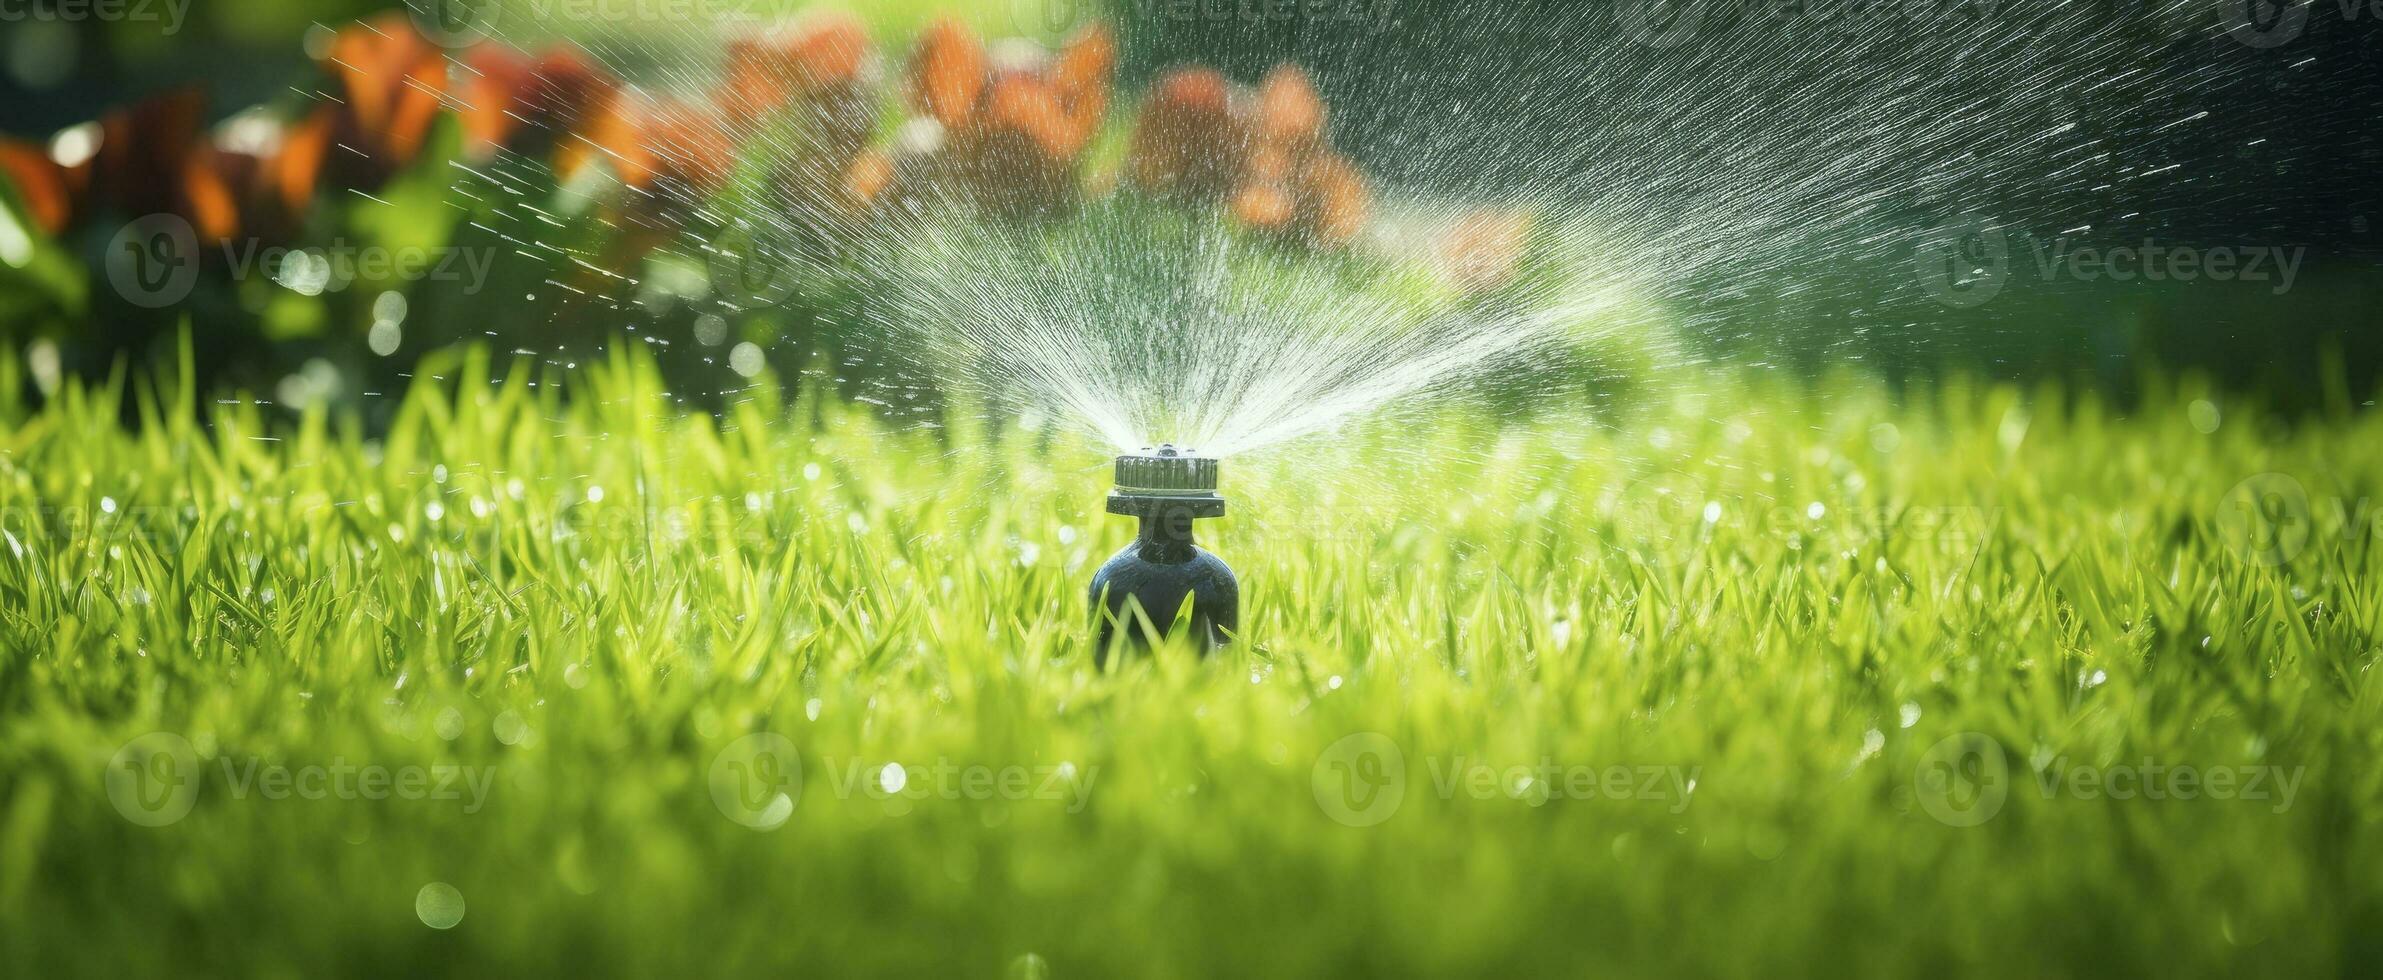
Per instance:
{"type": "Point", "coordinates": [1792, 596]}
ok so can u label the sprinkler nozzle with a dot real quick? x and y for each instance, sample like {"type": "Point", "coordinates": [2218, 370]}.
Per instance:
{"type": "Point", "coordinates": [1165, 473]}
{"type": "Point", "coordinates": [1151, 579]}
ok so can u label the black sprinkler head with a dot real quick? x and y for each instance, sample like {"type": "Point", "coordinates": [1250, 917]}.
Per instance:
{"type": "Point", "coordinates": [1152, 578]}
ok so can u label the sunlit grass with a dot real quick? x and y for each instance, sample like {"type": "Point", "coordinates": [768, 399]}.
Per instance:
{"type": "Point", "coordinates": [1784, 594]}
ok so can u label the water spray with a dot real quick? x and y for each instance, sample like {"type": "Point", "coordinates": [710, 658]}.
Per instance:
{"type": "Point", "coordinates": [1167, 489]}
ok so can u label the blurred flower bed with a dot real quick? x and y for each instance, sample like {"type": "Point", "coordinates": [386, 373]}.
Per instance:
{"type": "Point", "coordinates": [417, 194]}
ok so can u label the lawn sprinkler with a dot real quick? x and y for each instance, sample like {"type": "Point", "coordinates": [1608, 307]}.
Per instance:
{"type": "Point", "coordinates": [1168, 489]}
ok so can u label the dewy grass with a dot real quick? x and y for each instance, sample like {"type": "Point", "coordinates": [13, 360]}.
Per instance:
{"type": "Point", "coordinates": [1756, 680]}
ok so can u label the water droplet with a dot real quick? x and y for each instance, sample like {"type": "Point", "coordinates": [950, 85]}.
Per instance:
{"type": "Point", "coordinates": [389, 306]}
{"type": "Point", "coordinates": [1872, 741]}
{"type": "Point", "coordinates": [1029, 967]}
{"type": "Point", "coordinates": [386, 336]}
{"type": "Point", "coordinates": [439, 905]}
{"type": "Point", "coordinates": [2204, 415]}
{"type": "Point", "coordinates": [746, 359]}
{"type": "Point", "coordinates": [1885, 437]}
{"type": "Point", "coordinates": [509, 728]}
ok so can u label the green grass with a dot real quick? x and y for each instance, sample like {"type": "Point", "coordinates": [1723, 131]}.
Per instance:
{"type": "Point", "coordinates": [2074, 584]}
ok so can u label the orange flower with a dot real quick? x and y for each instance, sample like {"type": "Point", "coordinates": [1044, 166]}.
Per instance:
{"type": "Point", "coordinates": [144, 149]}
{"type": "Point", "coordinates": [805, 84]}
{"type": "Point", "coordinates": [947, 74]}
{"type": "Point", "coordinates": [1188, 143]}
{"type": "Point", "coordinates": [1334, 199]}
{"type": "Point", "coordinates": [273, 170]}
{"type": "Point", "coordinates": [1483, 249]}
{"type": "Point", "coordinates": [48, 191]}
{"type": "Point", "coordinates": [1079, 79]}
{"type": "Point", "coordinates": [517, 101]}
{"type": "Point", "coordinates": [666, 146]}
{"type": "Point", "coordinates": [1009, 131]}
{"type": "Point", "coordinates": [1201, 140]}
{"type": "Point", "coordinates": [671, 156]}
{"type": "Point", "coordinates": [289, 178]}
{"type": "Point", "coordinates": [1290, 114]}
{"type": "Point", "coordinates": [214, 187]}
{"type": "Point", "coordinates": [153, 158]}
{"type": "Point", "coordinates": [391, 84]}
{"type": "Point", "coordinates": [817, 60]}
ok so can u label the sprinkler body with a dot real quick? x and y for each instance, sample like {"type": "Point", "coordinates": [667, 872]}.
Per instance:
{"type": "Point", "coordinates": [1166, 489]}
